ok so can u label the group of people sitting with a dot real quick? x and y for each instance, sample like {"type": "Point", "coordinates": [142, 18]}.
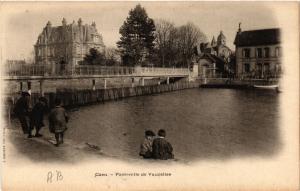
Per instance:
{"type": "Point", "coordinates": [31, 119]}
{"type": "Point", "coordinates": [156, 147]}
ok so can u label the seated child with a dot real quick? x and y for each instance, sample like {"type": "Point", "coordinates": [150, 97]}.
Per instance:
{"type": "Point", "coordinates": [161, 148]}
{"type": "Point", "coordinates": [146, 146]}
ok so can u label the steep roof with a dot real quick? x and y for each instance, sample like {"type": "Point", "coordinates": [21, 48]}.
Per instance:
{"type": "Point", "coordinates": [221, 37]}
{"type": "Point", "coordinates": [258, 37]}
{"type": "Point", "coordinates": [213, 42]}
{"type": "Point", "coordinates": [69, 33]}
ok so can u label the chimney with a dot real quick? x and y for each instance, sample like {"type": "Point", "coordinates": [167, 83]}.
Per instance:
{"type": "Point", "coordinates": [64, 22]}
{"type": "Point", "coordinates": [240, 30]}
{"type": "Point", "coordinates": [79, 22]}
{"type": "Point", "coordinates": [48, 24]}
{"type": "Point", "coordinates": [48, 28]}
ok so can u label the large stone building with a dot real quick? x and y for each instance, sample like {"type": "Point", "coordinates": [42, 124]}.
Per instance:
{"type": "Point", "coordinates": [258, 53]}
{"type": "Point", "coordinates": [63, 47]}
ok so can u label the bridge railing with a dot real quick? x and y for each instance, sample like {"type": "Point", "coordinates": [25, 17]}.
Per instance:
{"type": "Point", "coordinates": [103, 70]}
{"type": "Point", "coordinates": [29, 70]}
{"type": "Point", "coordinates": [156, 71]}
{"type": "Point", "coordinates": [44, 70]}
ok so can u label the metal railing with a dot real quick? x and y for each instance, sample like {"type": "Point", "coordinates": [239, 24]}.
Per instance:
{"type": "Point", "coordinates": [29, 70]}
{"type": "Point", "coordinates": [103, 70]}
{"type": "Point", "coordinates": [164, 71]}
{"type": "Point", "coordinates": [236, 81]}
{"type": "Point", "coordinates": [81, 70]}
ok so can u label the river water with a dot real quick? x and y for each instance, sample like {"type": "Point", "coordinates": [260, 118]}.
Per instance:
{"type": "Point", "coordinates": [215, 124]}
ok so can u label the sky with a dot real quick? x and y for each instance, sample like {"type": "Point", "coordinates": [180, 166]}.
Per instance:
{"type": "Point", "coordinates": [23, 22]}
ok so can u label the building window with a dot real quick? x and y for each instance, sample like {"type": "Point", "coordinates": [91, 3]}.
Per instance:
{"type": "Point", "coordinates": [246, 53]}
{"type": "Point", "coordinates": [267, 52]}
{"type": "Point", "coordinates": [247, 68]}
{"type": "Point", "coordinates": [258, 70]}
{"type": "Point", "coordinates": [277, 69]}
{"type": "Point", "coordinates": [259, 53]}
{"type": "Point", "coordinates": [277, 51]}
{"type": "Point", "coordinates": [266, 68]}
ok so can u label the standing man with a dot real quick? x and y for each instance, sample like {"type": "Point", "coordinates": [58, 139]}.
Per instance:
{"type": "Point", "coordinates": [21, 110]}
{"type": "Point", "coordinates": [37, 116]}
{"type": "Point", "coordinates": [58, 119]}
{"type": "Point", "coordinates": [161, 148]}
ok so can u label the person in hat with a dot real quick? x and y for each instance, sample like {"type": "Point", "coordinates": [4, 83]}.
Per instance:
{"type": "Point", "coordinates": [146, 146]}
{"type": "Point", "coordinates": [21, 110]}
{"type": "Point", "coordinates": [37, 116]}
{"type": "Point", "coordinates": [58, 119]}
{"type": "Point", "coordinates": [161, 148]}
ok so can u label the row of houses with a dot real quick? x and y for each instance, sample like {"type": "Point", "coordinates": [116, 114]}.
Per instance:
{"type": "Point", "coordinates": [257, 55]}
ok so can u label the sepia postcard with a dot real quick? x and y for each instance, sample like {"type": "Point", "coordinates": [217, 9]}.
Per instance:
{"type": "Point", "coordinates": [149, 95]}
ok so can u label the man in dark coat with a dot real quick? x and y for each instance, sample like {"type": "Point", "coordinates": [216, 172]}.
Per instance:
{"type": "Point", "coordinates": [58, 119]}
{"type": "Point", "coordinates": [161, 148]}
{"type": "Point", "coordinates": [37, 116]}
{"type": "Point", "coordinates": [21, 110]}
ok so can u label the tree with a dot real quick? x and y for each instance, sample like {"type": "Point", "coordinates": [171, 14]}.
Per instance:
{"type": "Point", "coordinates": [165, 38]}
{"type": "Point", "coordinates": [94, 58]}
{"type": "Point", "coordinates": [137, 36]}
{"type": "Point", "coordinates": [175, 46]}
{"type": "Point", "coordinates": [111, 57]}
{"type": "Point", "coordinates": [189, 36]}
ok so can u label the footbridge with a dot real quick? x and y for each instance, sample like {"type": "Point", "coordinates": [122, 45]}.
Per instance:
{"type": "Point", "coordinates": [40, 73]}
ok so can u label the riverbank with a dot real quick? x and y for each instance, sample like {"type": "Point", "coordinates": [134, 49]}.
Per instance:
{"type": "Point", "coordinates": [72, 98]}
{"type": "Point", "coordinates": [42, 150]}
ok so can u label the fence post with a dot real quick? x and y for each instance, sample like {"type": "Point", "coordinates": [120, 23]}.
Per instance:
{"type": "Point", "coordinates": [104, 83]}
{"type": "Point", "coordinates": [94, 84]}
{"type": "Point", "coordinates": [29, 87]}
{"type": "Point", "coordinates": [142, 81]}
{"type": "Point", "coordinates": [42, 88]}
{"type": "Point", "coordinates": [132, 82]}
{"type": "Point", "coordinates": [21, 86]}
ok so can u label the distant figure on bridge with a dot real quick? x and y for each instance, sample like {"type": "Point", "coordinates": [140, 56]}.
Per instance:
{"type": "Point", "coordinates": [37, 116]}
{"type": "Point", "coordinates": [161, 148]}
{"type": "Point", "coordinates": [146, 146]}
{"type": "Point", "coordinates": [21, 110]}
{"type": "Point", "coordinates": [58, 120]}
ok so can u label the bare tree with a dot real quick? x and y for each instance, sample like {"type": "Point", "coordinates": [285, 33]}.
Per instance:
{"type": "Point", "coordinates": [189, 36]}
{"type": "Point", "coordinates": [176, 45]}
{"type": "Point", "coordinates": [165, 38]}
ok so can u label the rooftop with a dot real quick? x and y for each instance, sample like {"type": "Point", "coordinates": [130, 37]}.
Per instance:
{"type": "Point", "coordinates": [258, 37]}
